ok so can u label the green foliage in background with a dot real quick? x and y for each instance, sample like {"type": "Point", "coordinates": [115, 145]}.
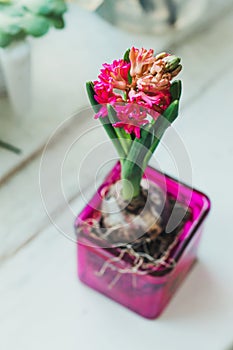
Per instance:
{"type": "Point", "coordinates": [9, 147]}
{"type": "Point", "coordinates": [19, 18]}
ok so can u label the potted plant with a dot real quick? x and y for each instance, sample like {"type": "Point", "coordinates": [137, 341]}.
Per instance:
{"type": "Point", "coordinates": [138, 235]}
{"type": "Point", "coordinates": [18, 20]}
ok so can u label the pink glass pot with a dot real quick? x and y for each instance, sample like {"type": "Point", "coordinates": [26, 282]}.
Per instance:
{"type": "Point", "coordinates": [146, 293]}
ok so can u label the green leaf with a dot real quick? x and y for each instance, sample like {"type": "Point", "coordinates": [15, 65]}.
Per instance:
{"type": "Point", "coordinates": [104, 121]}
{"type": "Point", "coordinates": [126, 56]}
{"type": "Point", "coordinates": [12, 27]}
{"type": "Point", "coordinates": [139, 148]}
{"type": "Point", "coordinates": [112, 114]}
{"type": "Point", "coordinates": [159, 128]}
{"type": "Point", "coordinates": [29, 17]}
{"type": "Point", "coordinates": [163, 122]}
{"type": "Point", "coordinates": [129, 78]}
{"type": "Point", "coordinates": [5, 39]}
{"type": "Point", "coordinates": [113, 119]}
{"type": "Point", "coordinates": [113, 136]}
{"type": "Point", "coordinates": [35, 25]}
{"type": "Point", "coordinates": [132, 169]}
{"type": "Point", "coordinates": [176, 89]}
{"type": "Point", "coordinates": [126, 59]}
{"type": "Point", "coordinates": [45, 7]}
{"type": "Point", "coordinates": [171, 113]}
{"type": "Point", "coordinates": [91, 94]}
{"type": "Point", "coordinates": [57, 22]}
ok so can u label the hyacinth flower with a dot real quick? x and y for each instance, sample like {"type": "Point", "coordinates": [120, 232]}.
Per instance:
{"type": "Point", "coordinates": [136, 100]}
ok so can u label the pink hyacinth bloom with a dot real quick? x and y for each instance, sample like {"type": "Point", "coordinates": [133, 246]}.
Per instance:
{"type": "Point", "coordinates": [157, 102]}
{"type": "Point", "coordinates": [112, 76]}
{"type": "Point", "coordinates": [115, 75]}
{"type": "Point", "coordinates": [132, 116]}
{"type": "Point", "coordinates": [149, 83]}
{"type": "Point", "coordinates": [104, 96]}
{"type": "Point", "coordinates": [140, 60]}
{"type": "Point", "coordinates": [129, 128]}
{"type": "Point", "coordinates": [141, 98]}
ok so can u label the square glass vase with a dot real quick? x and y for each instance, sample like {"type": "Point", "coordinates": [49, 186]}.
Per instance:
{"type": "Point", "coordinates": [146, 293]}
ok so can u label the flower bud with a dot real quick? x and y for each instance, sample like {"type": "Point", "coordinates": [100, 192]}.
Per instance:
{"type": "Point", "coordinates": [172, 62]}
{"type": "Point", "coordinates": [161, 55]}
{"type": "Point", "coordinates": [175, 72]}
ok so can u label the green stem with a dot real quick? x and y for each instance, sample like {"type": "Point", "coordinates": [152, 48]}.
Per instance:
{"type": "Point", "coordinates": [10, 147]}
{"type": "Point", "coordinates": [131, 184]}
{"type": "Point", "coordinates": [132, 170]}
{"type": "Point", "coordinates": [113, 136]}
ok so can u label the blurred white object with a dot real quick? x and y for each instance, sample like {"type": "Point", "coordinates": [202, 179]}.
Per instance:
{"type": "Point", "coordinates": [15, 61]}
{"type": "Point", "coordinates": [90, 5]}
{"type": "Point", "coordinates": [150, 16]}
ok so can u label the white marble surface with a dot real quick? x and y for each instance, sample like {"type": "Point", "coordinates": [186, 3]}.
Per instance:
{"type": "Point", "coordinates": [42, 303]}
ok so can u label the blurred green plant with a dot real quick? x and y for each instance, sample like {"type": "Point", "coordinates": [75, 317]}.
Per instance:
{"type": "Point", "coordinates": [9, 147]}
{"type": "Point", "coordinates": [20, 18]}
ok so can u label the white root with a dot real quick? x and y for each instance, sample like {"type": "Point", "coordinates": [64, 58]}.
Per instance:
{"type": "Point", "coordinates": [136, 269]}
